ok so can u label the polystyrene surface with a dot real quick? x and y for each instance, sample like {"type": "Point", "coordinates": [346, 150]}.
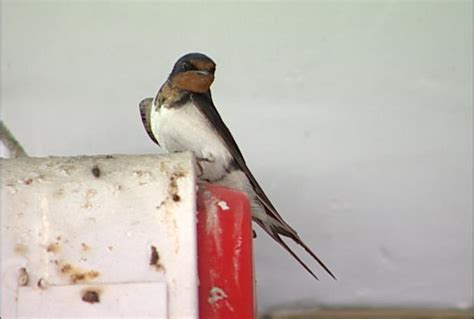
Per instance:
{"type": "Point", "coordinates": [99, 220]}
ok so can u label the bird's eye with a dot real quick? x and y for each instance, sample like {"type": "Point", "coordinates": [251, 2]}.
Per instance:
{"type": "Point", "coordinates": [186, 66]}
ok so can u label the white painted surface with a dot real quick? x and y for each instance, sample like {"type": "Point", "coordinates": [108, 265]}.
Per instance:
{"type": "Point", "coordinates": [355, 117]}
{"type": "Point", "coordinates": [66, 227]}
{"type": "Point", "coordinates": [129, 300]}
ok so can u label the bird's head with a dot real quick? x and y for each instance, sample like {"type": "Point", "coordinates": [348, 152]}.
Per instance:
{"type": "Point", "coordinates": [193, 72]}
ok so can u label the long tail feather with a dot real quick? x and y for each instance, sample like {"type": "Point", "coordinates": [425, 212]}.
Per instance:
{"type": "Point", "coordinates": [309, 251]}
{"type": "Point", "coordinates": [283, 228]}
{"type": "Point", "coordinates": [274, 234]}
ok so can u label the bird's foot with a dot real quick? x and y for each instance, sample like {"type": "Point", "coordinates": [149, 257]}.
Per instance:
{"type": "Point", "coordinates": [199, 160]}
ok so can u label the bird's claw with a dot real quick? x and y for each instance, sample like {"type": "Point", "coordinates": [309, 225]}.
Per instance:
{"type": "Point", "coordinates": [198, 163]}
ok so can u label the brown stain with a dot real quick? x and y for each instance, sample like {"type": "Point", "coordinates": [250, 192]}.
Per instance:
{"type": "Point", "coordinates": [172, 199]}
{"type": "Point", "coordinates": [81, 276]}
{"type": "Point", "coordinates": [75, 274]}
{"type": "Point", "coordinates": [173, 186]}
{"type": "Point", "coordinates": [66, 268]}
{"type": "Point", "coordinates": [85, 247]}
{"type": "Point", "coordinates": [53, 248]}
{"type": "Point", "coordinates": [21, 249]}
{"type": "Point", "coordinates": [155, 259]}
{"type": "Point", "coordinates": [28, 181]}
{"type": "Point", "coordinates": [91, 295]}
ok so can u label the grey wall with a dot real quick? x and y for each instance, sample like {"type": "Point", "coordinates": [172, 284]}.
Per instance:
{"type": "Point", "coordinates": [356, 117]}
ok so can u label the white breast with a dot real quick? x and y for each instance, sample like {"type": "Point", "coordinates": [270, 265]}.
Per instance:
{"type": "Point", "coordinates": [185, 128]}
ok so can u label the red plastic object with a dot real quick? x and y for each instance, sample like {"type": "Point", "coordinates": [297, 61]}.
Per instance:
{"type": "Point", "coordinates": [225, 264]}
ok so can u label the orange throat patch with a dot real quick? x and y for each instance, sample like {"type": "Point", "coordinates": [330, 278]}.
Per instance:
{"type": "Point", "coordinates": [193, 81]}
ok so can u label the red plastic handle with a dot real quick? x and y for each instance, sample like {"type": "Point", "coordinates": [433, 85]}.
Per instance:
{"type": "Point", "coordinates": [225, 260]}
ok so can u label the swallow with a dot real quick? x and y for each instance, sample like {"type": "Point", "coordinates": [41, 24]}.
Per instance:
{"type": "Point", "coordinates": [182, 117]}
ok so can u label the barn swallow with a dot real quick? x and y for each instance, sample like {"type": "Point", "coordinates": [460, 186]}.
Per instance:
{"type": "Point", "coordinates": [182, 117]}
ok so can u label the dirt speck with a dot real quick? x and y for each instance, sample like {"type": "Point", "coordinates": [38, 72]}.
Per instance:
{"type": "Point", "coordinates": [91, 296]}
{"type": "Point", "coordinates": [23, 277]}
{"type": "Point", "coordinates": [42, 284]}
{"type": "Point", "coordinates": [85, 247]}
{"type": "Point", "coordinates": [66, 268]}
{"type": "Point", "coordinates": [59, 192]}
{"type": "Point", "coordinates": [95, 171]}
{"type": "Point", "coordinates": [28, 181]}
{"type": "Point", "coordinates": [173, 186]}
{"type": "Point", "coordinates": [139, 173]}
{"type": "Point", "coordinates": [161, 204]}
{"type": "Point", "coordinates": [53, 248]}
{"type": "Point", "coordinates": [155, 259]}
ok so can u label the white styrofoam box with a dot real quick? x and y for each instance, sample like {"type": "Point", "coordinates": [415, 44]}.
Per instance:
{"type": "Point", "coordinates": [137, 300]}
{"type": "Point", "coordinates": [117, 223]}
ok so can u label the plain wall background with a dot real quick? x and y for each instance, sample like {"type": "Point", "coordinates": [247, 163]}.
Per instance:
{"type": "Point", "coordinates": [356, 117]}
